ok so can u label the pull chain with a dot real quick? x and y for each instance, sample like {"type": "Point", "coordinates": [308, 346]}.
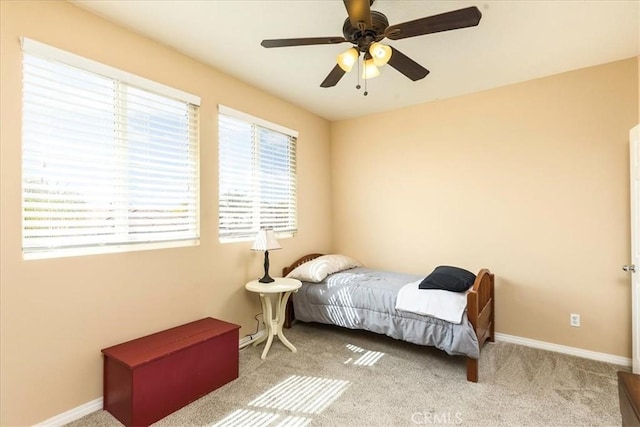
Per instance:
{"type": "Point", "coordinates": [365, 87]}
{"type": "Point", "coordinates": [358, 63]}
{"type": "Point", "coordinates": [364, 78]}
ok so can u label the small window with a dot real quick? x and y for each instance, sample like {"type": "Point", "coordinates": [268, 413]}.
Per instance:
{"type": "Point", "coordinates": [109, 160]}
{"type": "Point", "coordinates": [257, 167]}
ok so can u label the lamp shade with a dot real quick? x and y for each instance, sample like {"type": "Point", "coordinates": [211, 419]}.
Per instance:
{"type": "Point", "coordinates": [265, 241]}
{"type": "Point", "coordinates": [380, 53]}
{"type": "Point", "coordinates": [370, 70]}
{"type": "Point", "coordinates": [347, 59]}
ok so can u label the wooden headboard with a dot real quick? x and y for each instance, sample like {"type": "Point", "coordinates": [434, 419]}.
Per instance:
{"type": "Point", "coordinates": [299, 262]}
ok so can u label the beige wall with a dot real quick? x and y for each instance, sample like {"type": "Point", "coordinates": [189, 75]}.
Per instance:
{"type": "Point", "coordinates": [57, 314]}
{"type": "Point", "coordinates": [529, 180]}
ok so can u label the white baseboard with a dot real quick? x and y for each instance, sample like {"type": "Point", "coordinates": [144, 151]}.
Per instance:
{"type": "Point", "coordinates": [250, 338]}
{"type": "Point", "coordinates": [573, 351]}
{"type": "Point", "coordinates": [72, 414]}
{"type": "Point", "coordinates": [97, 404]}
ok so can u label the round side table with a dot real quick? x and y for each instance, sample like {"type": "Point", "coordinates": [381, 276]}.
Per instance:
{"type": "Point", "coordinates": [283, 288]}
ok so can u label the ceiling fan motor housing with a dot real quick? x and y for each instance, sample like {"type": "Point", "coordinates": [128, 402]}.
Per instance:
{"type": "Point", "coordinates": [363, 38]}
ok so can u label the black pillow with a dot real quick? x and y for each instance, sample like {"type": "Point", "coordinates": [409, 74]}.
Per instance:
{"type": "Point", "coordinates": [449, 278]}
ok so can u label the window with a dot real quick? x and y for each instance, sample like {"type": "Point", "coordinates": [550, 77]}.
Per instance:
{"type": "Point", "coordinates": [109, 159]}
{"type": "Point", "coordinates": [257, 164]}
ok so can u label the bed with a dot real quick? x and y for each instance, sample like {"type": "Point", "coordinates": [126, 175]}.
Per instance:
{"type": "Point", "coordinates": [362, 298]}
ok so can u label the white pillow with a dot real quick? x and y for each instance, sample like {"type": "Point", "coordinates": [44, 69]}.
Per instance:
{"type": "Point", "coordinates": [317, 269]}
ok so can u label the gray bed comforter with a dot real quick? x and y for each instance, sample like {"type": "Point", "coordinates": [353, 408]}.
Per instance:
{"type": "Point", "coordinates": [361, 298]}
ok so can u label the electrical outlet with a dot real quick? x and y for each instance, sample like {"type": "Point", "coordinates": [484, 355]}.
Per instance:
{"type": "Point", "coordinates": [574, 320]}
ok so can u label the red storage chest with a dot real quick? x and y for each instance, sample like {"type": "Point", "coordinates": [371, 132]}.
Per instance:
{"type": "Point", "coordinates": [148, 378]}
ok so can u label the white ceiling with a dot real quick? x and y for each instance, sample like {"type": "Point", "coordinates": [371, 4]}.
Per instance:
{"type": "Point", "coordinates": [515, 41]}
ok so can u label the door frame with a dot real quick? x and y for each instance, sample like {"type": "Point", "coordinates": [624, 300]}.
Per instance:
{"type": "Point", "coordinates": [634, 142]}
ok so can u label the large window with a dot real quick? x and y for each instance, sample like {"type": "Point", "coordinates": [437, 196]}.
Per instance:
{"type": "Point", "coordinates": [257, 166]}
{"type": "Point", "coordinates": [109, 159]}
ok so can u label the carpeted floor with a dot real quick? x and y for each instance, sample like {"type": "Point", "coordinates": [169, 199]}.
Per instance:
{"type": "Point", "coordinates": [341, 377]}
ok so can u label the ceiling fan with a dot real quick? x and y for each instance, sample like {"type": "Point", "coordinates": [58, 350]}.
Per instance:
{"type": "Point", "coordinates": [365, 28]}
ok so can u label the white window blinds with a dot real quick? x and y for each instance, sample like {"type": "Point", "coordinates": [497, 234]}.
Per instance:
{"type": "Point", "coordinates": [109, 160]}
{"type": "Point", "coordinates": [257, 168]}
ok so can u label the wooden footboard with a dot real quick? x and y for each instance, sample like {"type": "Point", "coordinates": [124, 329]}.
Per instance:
{"type": "Point", "coordinates": [480, 309]}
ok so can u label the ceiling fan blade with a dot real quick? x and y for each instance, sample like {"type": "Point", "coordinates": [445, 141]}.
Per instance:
{"type": "Point", "coordinates": [302, 42]}
{"type": "Point", "coordinates": [359, 13]}
{"type": "Point", "coordinates": [462, 18]}
{"type": "Point", "coordinates": [334, 77]}
{"type": "Point", "coordinates": [407, 66]}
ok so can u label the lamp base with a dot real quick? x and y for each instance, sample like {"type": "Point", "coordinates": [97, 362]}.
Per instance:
{"type": "Point", "coordinates": [266, 278]}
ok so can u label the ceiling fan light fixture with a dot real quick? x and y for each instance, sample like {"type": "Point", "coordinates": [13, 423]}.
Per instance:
{"type": "Point", "coordinates": [370, 70]}
{"type": "Point", "coordinates": [380, 53]}
{"type": "Point", "coordinates": [348, 58]}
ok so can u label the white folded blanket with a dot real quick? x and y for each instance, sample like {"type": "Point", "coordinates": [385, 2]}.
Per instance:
{"type": "Point", "coordinates": [445, 305]}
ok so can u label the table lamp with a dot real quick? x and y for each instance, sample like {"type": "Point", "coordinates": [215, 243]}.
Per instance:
{"type": "Point", "coordinates": [266, 241]}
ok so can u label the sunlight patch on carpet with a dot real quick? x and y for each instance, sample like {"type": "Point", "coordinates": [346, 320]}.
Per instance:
{"type": "Point", "coordinates": [309, 395]}
{"type": "Point", "coordinates": [244, 417]}
{"type": "Point", "coordinates": [368, 357]}
{"type": "Point", "coordinates": [292, 421]}
{"type": "Point", "coordinates": [248, 418]}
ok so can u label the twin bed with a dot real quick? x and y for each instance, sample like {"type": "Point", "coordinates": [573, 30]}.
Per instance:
{"type": "Point", "coordinates": [349, 295]}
